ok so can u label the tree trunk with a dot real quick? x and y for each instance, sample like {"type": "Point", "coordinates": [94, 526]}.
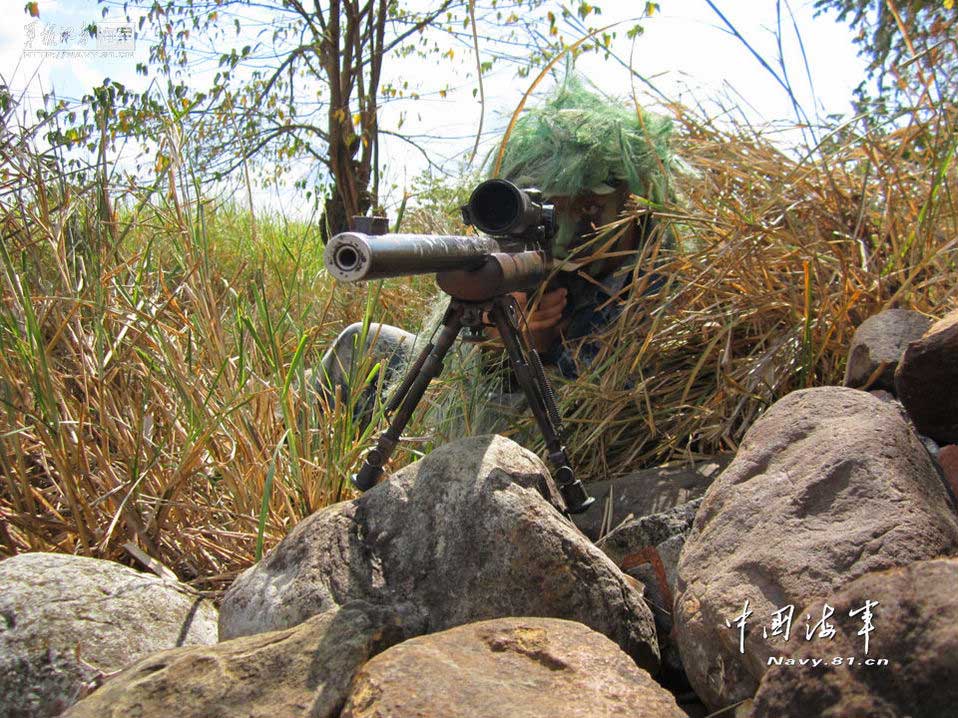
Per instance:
{"type": "Point", "coordinates": [335, 217]}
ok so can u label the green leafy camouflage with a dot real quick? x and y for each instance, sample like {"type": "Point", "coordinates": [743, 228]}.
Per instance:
{"type": "Point", "coordinates": [578, 140]}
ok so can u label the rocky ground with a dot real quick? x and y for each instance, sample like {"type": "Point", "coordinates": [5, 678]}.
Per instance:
{"type": "Point", "coordinates": [812, 574]}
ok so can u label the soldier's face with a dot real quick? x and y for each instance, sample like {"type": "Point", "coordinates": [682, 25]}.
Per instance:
{"type": "Point", "coordinates": [578, 218]}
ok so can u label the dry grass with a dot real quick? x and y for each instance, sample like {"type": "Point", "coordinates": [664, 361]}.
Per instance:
{"type": "Point", "coordinates": [152, 373]}
{"type": "Point", "coordinates": [780, 260]}
{"type": "Point", "coordinates": [152, 362]}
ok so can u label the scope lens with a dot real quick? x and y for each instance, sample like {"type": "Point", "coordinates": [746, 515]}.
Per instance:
{"type": "Point", "coordinates": [495, 206]}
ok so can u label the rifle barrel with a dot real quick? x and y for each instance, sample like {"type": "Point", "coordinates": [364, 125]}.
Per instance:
{"type": "Point", "coordinates": [358, 257]}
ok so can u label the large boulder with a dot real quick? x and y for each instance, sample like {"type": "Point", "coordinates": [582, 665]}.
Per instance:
{"type": "Point", "coordinates": [646, 492]}
{"type": "Point", "coordinates": [302, 671]}
{"type": "Point", "coordinates": [66, 621]}
{"type": "Point", "coordinates": [471, 532]}
{"type": "Point", "coordinates": [878, 345]}
{"type": "Point", "coordinates": [828, 485]}
{"type": "Point", "coordinates": [521, 667]}
{"type": "Point", "coordinates": [911, 668]}
{"type": "Point", "coordinates": [927, 381]}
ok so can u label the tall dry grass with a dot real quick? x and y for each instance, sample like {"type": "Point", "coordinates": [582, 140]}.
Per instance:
{"type": "Point", "coordinates": [154, 349]}
{"type": "Point", "coordinates": [780, 257]}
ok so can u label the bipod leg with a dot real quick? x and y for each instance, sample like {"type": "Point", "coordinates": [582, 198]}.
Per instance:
{"type": "Point", "coordinates": [527, 366]}
{"type": "Point", "coordinates": [407, 398]}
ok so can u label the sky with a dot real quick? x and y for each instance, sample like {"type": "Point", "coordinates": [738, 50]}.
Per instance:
{"type": "Point", "coordinates": [686, 51]}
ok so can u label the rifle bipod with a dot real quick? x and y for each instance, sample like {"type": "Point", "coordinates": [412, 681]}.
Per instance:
{"type": "Point", "coordinates": [526, 365]}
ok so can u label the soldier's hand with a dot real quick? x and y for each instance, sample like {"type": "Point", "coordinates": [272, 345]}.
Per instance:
{"type": "Point", "coordinates": [542, 320]}
{"type": "Point", "coordinates": [547, 313]}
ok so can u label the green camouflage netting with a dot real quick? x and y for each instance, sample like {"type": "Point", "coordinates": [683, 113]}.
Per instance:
{"type": "Point", "coordinates": [578, 140]}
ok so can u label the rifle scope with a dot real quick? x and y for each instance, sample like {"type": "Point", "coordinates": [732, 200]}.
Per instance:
{"type": "Point", "coordinates": [500, 209]}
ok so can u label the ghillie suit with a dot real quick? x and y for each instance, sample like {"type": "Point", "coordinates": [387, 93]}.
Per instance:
{"type": "Point", "coordinates": [588, 154]}
{"type": "Point", "coordinates": [578, 143]}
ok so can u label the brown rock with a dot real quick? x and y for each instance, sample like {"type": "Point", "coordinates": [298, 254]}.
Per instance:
{"type": "Point", "coordinates": [828, 485]}
{"type": "Point", "coordinates": [927, 381]}
{"type": "Point", "coordinates": [948, 460]}
{"type": "Point", "coordinates": [469, 533]}
{"type": "Point", "coordinates": [915, 621]}
{"type": "Point", "coordinates": [519, 667]}
{"type": "Point", "coordinates": [301, 671]}
{"type": "Point", "coordinates": [878, 345]}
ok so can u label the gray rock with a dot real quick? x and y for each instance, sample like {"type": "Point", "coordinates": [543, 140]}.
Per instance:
{"type": "Point", "coordinates": [648, 549]}
{"type": "Point", "coordinates": [300, 671]}
{"type": "Point", "coordinates": [68, 620]}
{"type": "Point", "coordinates": [830, 484]}
{"type": "Point", "coordinates": [471, 532]}
{"type": "Point", "coordinates": [927, 381]}
{"type": "Point", "coordinates": [637, 534]}
{"type": "Point", "coordinates": [646, 492]}
{"type": "Point", "coordinates": [878, 345]}
{"type": "Point", "coordinates": [521, 667]}
{"type": "Point", "coordinates": [915, 621]}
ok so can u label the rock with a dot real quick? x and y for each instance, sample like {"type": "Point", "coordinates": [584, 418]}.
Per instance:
{"type": "Point", "coordinates": [927, 381]}
{"type": "Point", "coordinates": [648, 549]}
{"type": "Point", "coordinates": [915, 625]}
{"type": "Point", "coordinates": [642, 493]}
{"type": "Point", "coordinates": [471, 532]}
{"type": "Point", "coordinates": [878, 345]}
{"type": "Point", "coordinates": [885, 396]}
{"type": "Point", "coordinates": [65, 621]}
{"type": "Point", "coordinates": [637, 534]}
{"type": "Point", "coordinates": [521, 667]}
{"type": "Point", "coordinates": [299, 671]}
{"type": "Point", "coordinates": [948, 460]}
{"type": "Point", "coordinates": [830, 484]}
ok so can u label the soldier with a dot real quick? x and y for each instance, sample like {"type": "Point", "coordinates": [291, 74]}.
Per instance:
{"type": "Point", "coordinates": [587, 155]}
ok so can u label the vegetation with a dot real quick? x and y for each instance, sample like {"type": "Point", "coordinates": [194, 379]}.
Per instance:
{"type": "Point", "coordinates": [894, 35]}
{"type": "Point", "coordinates": [299, 87]}
{"type": "Point", "coordinates": [155, 343]}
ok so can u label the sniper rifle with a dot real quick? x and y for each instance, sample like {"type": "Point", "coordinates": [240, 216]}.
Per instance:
{"type": "Point", "coordinates": [479, 273]}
